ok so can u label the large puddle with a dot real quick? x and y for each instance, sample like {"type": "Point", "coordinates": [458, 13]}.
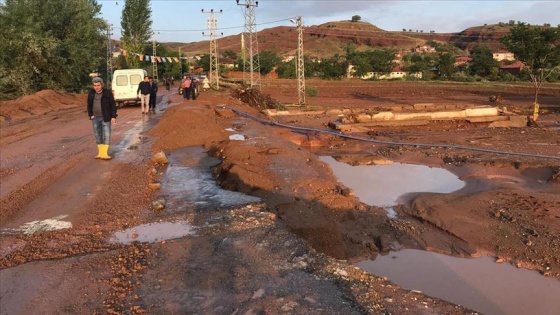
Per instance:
{"type": "Point", "coordinates": [479, 284]}
{"type": "Point", "coordinates": [383, 185]}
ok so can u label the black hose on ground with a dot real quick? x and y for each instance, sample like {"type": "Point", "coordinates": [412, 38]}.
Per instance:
{"type": "Point", "coordinates": [342, 135]}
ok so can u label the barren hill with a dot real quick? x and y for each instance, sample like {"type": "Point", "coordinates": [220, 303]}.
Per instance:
{"type": "Point", "coordinates": [330, 38]}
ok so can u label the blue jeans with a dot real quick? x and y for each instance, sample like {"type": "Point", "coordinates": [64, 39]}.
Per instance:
{"type": "Point", "coordinates": [101, 130]}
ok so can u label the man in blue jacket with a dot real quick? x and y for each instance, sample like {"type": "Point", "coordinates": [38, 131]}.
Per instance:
{"type": "Point", "coordinates": [102, 111]}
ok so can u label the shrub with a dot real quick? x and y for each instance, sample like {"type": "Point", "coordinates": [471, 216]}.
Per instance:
{"type": "Point", "coordinates": [311, 91]}
{"type": "Point", "coordinates": [462, 77]}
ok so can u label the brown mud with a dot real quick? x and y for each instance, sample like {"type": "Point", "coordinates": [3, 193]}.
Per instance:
{"type": "Point", "coordinates": [292, 252]}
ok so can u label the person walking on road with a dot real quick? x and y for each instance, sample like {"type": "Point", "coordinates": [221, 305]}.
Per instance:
{"type": "Point", "coordinates": [144, 91]}
{"type": "Point", "coordinates": [193, 88]}
{"type": "Point", "coordinates": [186, 87]}
{"type": "Point", "coordinates": [153, 95]}
{"type": "Point", "coordinates": [102, 111]}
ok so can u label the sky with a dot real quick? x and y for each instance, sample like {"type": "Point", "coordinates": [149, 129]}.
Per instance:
{"type": "Point", "coordinates": [182, 20]}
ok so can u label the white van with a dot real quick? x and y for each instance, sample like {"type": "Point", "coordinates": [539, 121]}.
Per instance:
{"type": "Point", "coordinates": [125, 85]}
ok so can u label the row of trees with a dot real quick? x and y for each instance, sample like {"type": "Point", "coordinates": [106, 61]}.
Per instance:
{"type": "Point", "coordinates": [55, 44]}
{"type": "Point", "coordinates": [49, 44]}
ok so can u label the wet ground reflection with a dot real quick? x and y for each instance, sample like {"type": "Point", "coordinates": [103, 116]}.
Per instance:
{"type": "Point", "coordinates": [478, 283]}
{"type": "Point", "coordinates": [382, 185]}
{"type": "Point", "coordinates": [153, 232]}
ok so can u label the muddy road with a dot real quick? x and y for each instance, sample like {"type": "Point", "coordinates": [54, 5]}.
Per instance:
{"type": "Point", "coordinates": [249, 218]}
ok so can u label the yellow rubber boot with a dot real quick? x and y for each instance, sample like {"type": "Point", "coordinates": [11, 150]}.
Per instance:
{"type": "Point", "coordinates": [104, 151]}
{"type": "Point", "coordinates": [98, 151]}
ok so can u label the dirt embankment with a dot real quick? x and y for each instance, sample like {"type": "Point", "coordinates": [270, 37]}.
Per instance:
{"type": "Point", "coordinates": [43, 102]}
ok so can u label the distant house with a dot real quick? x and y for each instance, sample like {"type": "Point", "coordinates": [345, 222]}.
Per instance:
{"type": "Point", "coordinates": [462, 61]}
{"type": "Point", "coordinates": [425, 49]}
{"type": "Point", "coordinates": [228, 63]}
{"type": "Point", "coordinates": [513, 68]}
{"type": "Point", "coordinates": [288, 58]}
{"type": "Point", "coordinates": [501, 55]}
{"type": "Point", "coordinates": [399, 55]}
{"type": "Point", "coordinates": [396, 73]}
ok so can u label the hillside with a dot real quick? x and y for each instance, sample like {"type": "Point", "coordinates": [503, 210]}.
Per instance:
{"type": "Point", "coordinates": [488, 35]}
{"type": "Point", "coordinates": [322, 40]}
{"type": "Point", "coordinates": [331, 38]}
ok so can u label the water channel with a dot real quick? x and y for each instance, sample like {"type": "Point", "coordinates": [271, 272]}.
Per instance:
{"type": "Point", "coordinates": [479, 284]}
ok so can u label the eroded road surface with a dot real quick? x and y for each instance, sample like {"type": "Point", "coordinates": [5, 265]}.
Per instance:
{"type": "Point", "coordinates": [244, 218]}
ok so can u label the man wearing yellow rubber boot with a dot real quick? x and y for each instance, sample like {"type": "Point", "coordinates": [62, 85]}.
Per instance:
{"type": "Point", "coordinates": [102, 111]}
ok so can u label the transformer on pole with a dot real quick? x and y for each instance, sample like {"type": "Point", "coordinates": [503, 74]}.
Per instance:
{"type": "Point", "coordinates": [250, 48]}
{"type": "Point", "coordinates": [300, 64]}
{"type": "Point", "coordinates": [214, 65]}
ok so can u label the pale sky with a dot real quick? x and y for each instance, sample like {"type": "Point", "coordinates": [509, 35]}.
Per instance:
{"type": "Point", "coordinates": [183, 21]}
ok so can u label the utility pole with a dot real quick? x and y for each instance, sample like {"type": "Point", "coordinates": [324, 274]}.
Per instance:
{"type": "Point", "coordinates": [109, 55]}
{"type": "Point", "coordinates": [300, 64]}
{"type": "Point", "coordinates": [214, 65]}
{"type": "Point", "coordinates": [250, 51]}
{"type": "Point", "coordinates": [154, 60]}
{"type": "Point", "coordinates": [181, 62]}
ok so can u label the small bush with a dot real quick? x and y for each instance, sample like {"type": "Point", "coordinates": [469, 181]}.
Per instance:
{"type": "Point", "coordinates": [311, 91]}
{"type": "Point", "coordinates": [462, 77]}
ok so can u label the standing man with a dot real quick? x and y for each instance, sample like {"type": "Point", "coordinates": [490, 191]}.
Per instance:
{"type": "Point", "coordinates": [194, 87]}
{"type": "Point", "coordinates": [144, 90]}
{"type": "Point", "coordinates": [153, 95]}
{"type": "Point", "coordinates": [102, 111]}
{"type": "Point", "coordinates": [186, 87]}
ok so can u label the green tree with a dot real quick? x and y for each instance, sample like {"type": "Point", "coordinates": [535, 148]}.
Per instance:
{"type": "Point", "coordinates": [376, 60]}
{"type": "Point", "coordinates": [287, 70]}
{"type": "Point", "coordinates": [539, 49]}
{"type": "Point", "coordinates": [356, 18]}
{"type": "Point", "coordinates": [483, 63]}
{"type": "Point", "coordinates": [351, 51]}
{"type": "Point", "coordinates": [136, 24]}
{"type": "Point", "coordinates": [268, 60]}
{"type": "Point", "coordinates": [204, 62]}
{"type": "Point", "coordinates": [446, 65]}
{"type": "Point", "coordinates": [417, 63]}
{"type": "Point", "coordinates": [230, 54]}
{"type": "Point", "coordinates": [49, 44]}
{"type": "Point", "coordinates": [332, 68]}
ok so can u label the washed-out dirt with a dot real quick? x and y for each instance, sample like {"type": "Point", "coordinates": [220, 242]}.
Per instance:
{"type": "Point", "coordinates": [292, 251]}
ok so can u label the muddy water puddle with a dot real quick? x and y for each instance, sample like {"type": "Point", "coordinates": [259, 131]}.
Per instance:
{"type": "Point", "coordinates": [189, 180]}
{"type": "Point", "coordinates": [384, 185]}
{"type": "Point", "coordinates": [153, 232]}
{"type": "Point", "coordinates": [477, 283]}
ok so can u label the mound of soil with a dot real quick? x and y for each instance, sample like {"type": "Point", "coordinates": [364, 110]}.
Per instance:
{"type": "Point", "coordinates": [38, 104]}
